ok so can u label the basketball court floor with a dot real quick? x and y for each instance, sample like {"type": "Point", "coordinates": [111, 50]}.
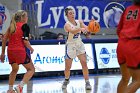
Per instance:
{"type": "Point", "coordinates": [100, 84]}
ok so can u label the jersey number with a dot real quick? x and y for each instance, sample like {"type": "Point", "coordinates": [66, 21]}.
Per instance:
{"type": "Point", "coordinates": [132, 14]}
{"type": "Point", "coordinates": [76, 35]}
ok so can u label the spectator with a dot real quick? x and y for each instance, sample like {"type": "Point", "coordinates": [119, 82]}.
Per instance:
{"type": "Point", "coordinates": [49, 35]}
{"type": "Point", "coordinates": [31, 37]}
{"type": "Point", "coordinates": [60, 36]}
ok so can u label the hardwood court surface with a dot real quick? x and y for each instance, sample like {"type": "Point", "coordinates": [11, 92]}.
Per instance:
{"type": "Point", "coordinates": [100, 84]}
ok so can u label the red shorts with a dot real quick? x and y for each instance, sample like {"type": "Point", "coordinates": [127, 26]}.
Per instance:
{"type": "Point", "coordinates": [128, 51]}
{"type": "Point", "coordinates": [18, 56]}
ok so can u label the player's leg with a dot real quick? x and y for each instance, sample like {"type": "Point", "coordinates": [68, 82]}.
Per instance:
{"type": "Point", "coordinates": [30, 71]}
{"type": "Point", "coordinates": [69, 55]}
{"type": "Point", "coordinates": [28, 64]}
{"type": "Point", "coordinates": [15, 68]}
{"type": "Point", "coordinates": [12, 77]}
{"type": "Point", "coordinates": [124, 79]}
{"type": "Point", "coordinates": [68, 63]}
{"type": "Point", "coordinates": [122, 52]}
{"type": "Point", "coordinates": [82, 58]}
{"type": "Point", "coordinates": [135, 84]}
{"type": "Point", "coordinates": [27, 76]}
{"type": "Point", "coordinates": [133, 61]}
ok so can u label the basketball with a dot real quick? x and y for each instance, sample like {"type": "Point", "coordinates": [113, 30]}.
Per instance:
{"type": "Point", "coordinates": [93, 26]}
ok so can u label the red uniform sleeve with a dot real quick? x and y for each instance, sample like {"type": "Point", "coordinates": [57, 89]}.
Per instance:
{"type": "Point", "coordinates": [120, 25]}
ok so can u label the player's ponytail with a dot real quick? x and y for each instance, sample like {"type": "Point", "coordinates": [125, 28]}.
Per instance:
{"type": "Point", "coordinates": [13, 24]}
{"type": "Point", "coordinates": [17, 17]}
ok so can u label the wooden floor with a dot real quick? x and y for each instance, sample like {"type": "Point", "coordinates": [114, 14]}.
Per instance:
{"type": "Point", "coordinates": [100, 84]}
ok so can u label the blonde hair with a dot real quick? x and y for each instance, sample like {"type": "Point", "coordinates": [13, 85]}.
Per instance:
{"type": "Point", "coordinates": [16, 18]}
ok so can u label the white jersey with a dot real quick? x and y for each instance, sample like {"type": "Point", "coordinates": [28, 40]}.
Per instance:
{"type": "Point", "coordinates": [73, 37]}
{"type": "Point", "coordinates": [74, 45]}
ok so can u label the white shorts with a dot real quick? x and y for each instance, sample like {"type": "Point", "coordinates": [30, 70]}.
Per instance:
{"type": "Point", "coordinates": [74, 49]}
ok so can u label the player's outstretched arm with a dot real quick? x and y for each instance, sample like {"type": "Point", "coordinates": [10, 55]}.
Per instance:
{"type": "Point", "coordinates": [68, 28]}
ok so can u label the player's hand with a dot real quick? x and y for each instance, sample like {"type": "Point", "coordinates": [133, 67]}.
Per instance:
{"type": "Point", "coordinates": [32, 50]}
{"type": "Point", "coordinates": [2, 57]}
{"type": "Point", "coordinates": [84, 30]}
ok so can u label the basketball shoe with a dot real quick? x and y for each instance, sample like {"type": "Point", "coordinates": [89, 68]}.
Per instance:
{"type": "Point", "coordinates": [65, 83]}
{"type": "Point", "coordinates": [11, 91]}
{"type": "Point", "coordinates": [88, 86]}
{"type": "Point", "coordinates": [19, 89]}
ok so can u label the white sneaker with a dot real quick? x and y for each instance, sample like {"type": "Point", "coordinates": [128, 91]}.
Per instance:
{"type": "Point", "coordinates": [18, 89]}
{"type": "Point", "coordinates": [65, 83]}
{"type": "Point", "coordinates": [88, 86]}
{"type": "Point", "coordinates": [10, 91]}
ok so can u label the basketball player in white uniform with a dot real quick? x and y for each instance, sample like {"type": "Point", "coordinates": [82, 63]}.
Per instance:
{"type": "Point", "coordinates": [75, 47]}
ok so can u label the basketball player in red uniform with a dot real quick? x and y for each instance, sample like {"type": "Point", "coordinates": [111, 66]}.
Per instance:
{"type": "Point", "coordinates": [128, 49]}
{"type": "Point", "coordinates": [17, 36]}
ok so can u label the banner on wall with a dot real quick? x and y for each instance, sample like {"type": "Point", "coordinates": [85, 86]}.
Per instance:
{"type": "Point", "coordinates": [50, 58]}
{"type": "Point", "coordinates": [4, 18]}
{"type": "Point", "coordinates": [50, 13]}
{"type": "Point", "coordinates": [106, 55]}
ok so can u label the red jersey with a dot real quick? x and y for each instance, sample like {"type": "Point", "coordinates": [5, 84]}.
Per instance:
{"type": "Point", "coordinates": [15, 39]}
{"type": "Point", "coordinates": [129, 25]}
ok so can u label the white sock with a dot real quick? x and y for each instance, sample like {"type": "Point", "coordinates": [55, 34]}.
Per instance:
{"type": "Point", "coordinates": [22, 83]}
{"type": "Point", "coordinates": [10, 87]}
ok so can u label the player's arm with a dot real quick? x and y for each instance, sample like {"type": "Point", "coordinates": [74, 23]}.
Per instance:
{"type": "Point", "coordinates": [68, 28]}
{"type": "Point", "coordinates": [4, 41]}
{"type": "Point", "coordinates": [120, 25]}
{"type": "Point", "coordinates": [83, 27]}
{"type": "Point", "coordinates": [26, 31]}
